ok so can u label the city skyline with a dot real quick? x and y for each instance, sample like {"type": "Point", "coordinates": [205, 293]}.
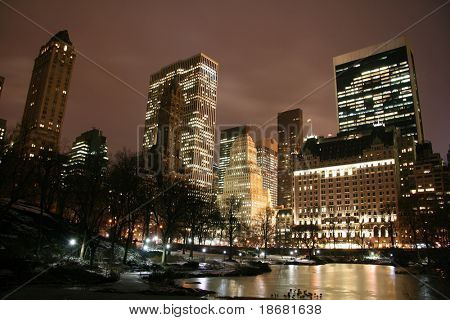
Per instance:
{"type": "Point", "coordinates": [238, 91]}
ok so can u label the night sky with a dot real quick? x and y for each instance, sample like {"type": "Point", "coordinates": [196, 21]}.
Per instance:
{"type": "Point", "coordinates": [271, 54]}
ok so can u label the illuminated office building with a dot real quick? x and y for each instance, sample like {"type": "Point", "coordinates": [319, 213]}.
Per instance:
{"type": "Point", "coordinates": [197, 77]}
{"type": "Point", "coordinates": [243, 179]}
{"type": "Point", "coordinates": [90, 144]}
{"type": "Point", "coordinates": [47, 95]}
{"type": "Point", "coordinates": [378, 85]}
{"type": "Point", "coordinates": [290, 139]}
{"type": "Point", "coordinates": [349, 188]}
{"type": "Point", "coordinates": [164, 156]}
{"type": "Point", "coordinates": [227, 137]}
{"type": "Point", "coordinates": [267, 158]}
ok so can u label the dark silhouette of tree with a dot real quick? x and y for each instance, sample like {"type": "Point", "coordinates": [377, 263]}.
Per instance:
{"type": "Point", "coordinates": [307, 235]}
{"type": "Point", "coordinates": [89, 198]}
{"type": "Point", "coordinates": [233, 225]}
{"type": "Point", "coordinates": [170, 207]}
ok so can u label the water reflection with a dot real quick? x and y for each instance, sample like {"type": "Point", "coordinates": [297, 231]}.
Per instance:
{"type": "Point", "coordinates": [334, 281]}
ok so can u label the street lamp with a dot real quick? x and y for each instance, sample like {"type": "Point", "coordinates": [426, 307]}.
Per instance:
{"type": "Point", "coordinates": [72, 242]}
{"type": "Point", "coordinates": [147, 240]}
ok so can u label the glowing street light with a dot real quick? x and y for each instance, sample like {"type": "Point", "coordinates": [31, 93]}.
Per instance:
{"type": "Point", "coordinates": [72, 242]}
{"type": "Point", "coordinates": [167, 246]}
{"type": "Point", "coordinates": [147, 240]}
{"type": "Point", "coordinates": [145, 248]}
{"type": "Point", "coordinates": [203, 250]}
{"type": "Point", "coordinates": [155, 238]}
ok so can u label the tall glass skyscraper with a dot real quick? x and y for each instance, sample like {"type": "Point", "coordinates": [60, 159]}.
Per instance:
{"type": "Point", "coordinates": [197, 78]}
{"type": "Point", "coordinates": [377, 86]}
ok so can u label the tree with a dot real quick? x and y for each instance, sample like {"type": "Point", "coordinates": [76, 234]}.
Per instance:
{"type": "Point", "coordinates": [267, 228]}
{"type": "Point", "coordinates": [89, 199]}
{"type": "Point", "coordinates": [127, 194]}
{"type": "Point", "coordinates": [307, 234]}
{"type": "Point", "coordinates": [233, 225]}
{"type": "Point", "coordinates": [170, 206]}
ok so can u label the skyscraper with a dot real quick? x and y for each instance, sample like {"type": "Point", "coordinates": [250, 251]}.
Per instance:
{"type": "Point", "coordinates": [267, 159]}
{"type": "Point", "coordinates": [197, 77]}
{"type": "Point", "coordinates": [47, 95]}
{"type": "Point", "coordinates": [164, 156]}
{"type": "Point", "coordinates": [377, 85]}
{"type": "Point", "coordinates": [91, 143]}
{"type": "Point", "coordinates": [227, 137]}
{"type": "Point", "coordinates": [290, 139]}
{"type": "Point", "coordinates": [243, 179]}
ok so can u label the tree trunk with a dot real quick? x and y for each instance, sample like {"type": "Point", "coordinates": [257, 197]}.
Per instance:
{"type": "Point", "coordinates": [83, 245]}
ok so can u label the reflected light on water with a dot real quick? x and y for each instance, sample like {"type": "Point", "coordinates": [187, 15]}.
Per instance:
{"type": "Point", "coordinates": [334, 281]}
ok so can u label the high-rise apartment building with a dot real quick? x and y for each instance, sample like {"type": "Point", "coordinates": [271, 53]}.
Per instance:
{"type": "Point", "coordinates": [378, 85]}
{"type": "Point", "coordinates": [227, 137]}
{"type": "Point", "coordinates": [290, 139]}
{"type": "Point", "coordinates": [243, 180]}
{"type": "Point", "coordinates": [197, 78]}
{"type": "Point", "coordinates": [90, 144]}
{"type": "Point", "coordinates": [267, 159]}
{"type": "Point", "coordinates": [47, 95]}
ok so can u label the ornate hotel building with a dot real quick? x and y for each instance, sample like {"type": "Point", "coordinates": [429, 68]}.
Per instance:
{"type": "Point", "coordinates": [47, 95]}
{"type": "Point", "coordinates": [349, 188]}
{"type": "Point", "coordinates": [378, 85]}
{"type": "Point", "coordinates": [197, 78]}
{"type": "Point", "coordinates": [243, 179]}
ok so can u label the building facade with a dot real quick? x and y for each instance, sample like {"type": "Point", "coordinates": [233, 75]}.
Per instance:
{"type": "Point", "coordinates": [197, 78]}
{"type": "Point", "coordinates": [427, 206]}
{"type": "Point", "coordinates": [243, 180]}
{"type": "Point", "coordinates": [267, 159]}
{"type": "Point", "coordinates": [348, 188]}
{"type": "Point", "coordinates": [88, 145]}
{"type": "Point", "coordinates": [47, 95]}
{"type": "Point", "coordinates": [290, 139]}
{"type": "Point", "coordinates": [378, 85]}
{"type": "Point", "coordinates": [227, 137]}
{"type": "Point", "coordinates": [164, 156]}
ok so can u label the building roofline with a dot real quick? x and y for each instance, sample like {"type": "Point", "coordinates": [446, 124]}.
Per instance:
{"type": "Point", "coordinates": [370, 51]}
